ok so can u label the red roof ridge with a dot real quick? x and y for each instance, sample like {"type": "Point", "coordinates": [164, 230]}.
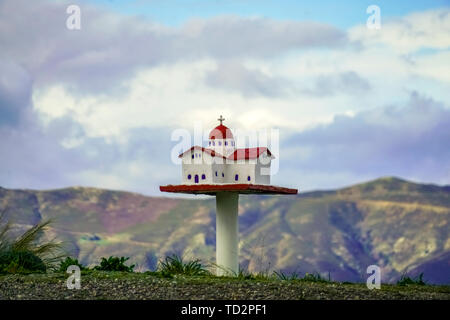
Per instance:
{"type": "Point", "coordinates": [249, 153]}
{"type": "Point", "coordinates": [207, 150]}
{"type": "Point", "coordinates": [238, 154]}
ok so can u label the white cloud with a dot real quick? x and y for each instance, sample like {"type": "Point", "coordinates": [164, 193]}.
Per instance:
{"type": "Point", "coordinates": [107, 100]}
{"type": "Point", "coordinates": [428, 29]}
{"type": "Point", "coordinates": [434, 66]}
{"type": "Point", "coordinates": [174, 96]}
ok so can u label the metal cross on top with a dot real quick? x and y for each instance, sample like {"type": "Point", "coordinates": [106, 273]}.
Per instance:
{"type": "Point", "coordinates": [221, 119]}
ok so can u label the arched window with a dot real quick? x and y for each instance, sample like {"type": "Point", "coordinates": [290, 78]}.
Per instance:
{"type": "Point", "coordinates": [210, 143]}
{"type": "Point", "coordinates": [189, 177]}
{"type": "Point", "coordinates": [226, 143]}
{"type": "Point", "coordinates": [214, 143]}
{"type": "Point", "coordinates": [236, 177]}
{"type": "Point", "coordinates": [203, 177]}
{"type": "Point", "coordinates": [248, 178]}
{"type": "Point", "coordinates": [220, 143]}
{"type": "Point", "coordinates": [192, 156]}
{"type": "Point", "coordinates": [223, 175]}
{"type": "Point", "coordinates": [216, 173]}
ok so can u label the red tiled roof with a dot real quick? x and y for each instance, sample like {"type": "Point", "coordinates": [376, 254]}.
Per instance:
{"type": "Point", "coordinates": [238, 154]}
{"type": "Point", "coordinates": [220, 132]}
{"type": "Point", "coordinates": [210, 151]}
{"type": "Point", "coordinates": [248, 153]}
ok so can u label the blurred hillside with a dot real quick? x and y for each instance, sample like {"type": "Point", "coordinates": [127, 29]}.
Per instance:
{"type": "Point", "coordinates": [390, 222]}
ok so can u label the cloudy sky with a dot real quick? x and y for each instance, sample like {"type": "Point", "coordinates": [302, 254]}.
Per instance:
{"type": "Point", "coordinates": [97, 106]}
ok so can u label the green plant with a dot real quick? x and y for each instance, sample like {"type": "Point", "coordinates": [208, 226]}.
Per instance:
{"type": "Point", "coordinates": [286, 277]}
{"type": "Point", "coordinates": [316, 277]}
{"type": "Point", "coordinates": [20, 262]}
{"type": "Point", "coordinates": [63, 265]}
{"type": "Point", "coordinates": [406, 280]}
{"type": "Point", "coordinates": [175, 265]}
{"type": "Point", "coordinates": [244, 274]}
{"type": "Point", "coordinates": [114, 264]}
{"type": "Point", "coordinates": [27, 253]}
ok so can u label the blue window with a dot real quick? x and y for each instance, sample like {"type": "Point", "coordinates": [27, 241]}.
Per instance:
{"type": "Point", "coordinates": [220, 143]}
{"type": "Point", "coordinates": [189, 177]}
{"type": "Point", "coordinates": [216, 173]}
{"type": "Point", "coordinates": [226, 143]}
{"type": "Point", "coordinates": [192, 156]}
{"type": "Point", "coordinates": [223, 175]}
{"type": "Point", "coordinates": [248, 178]}
{"type": "Point", "coordinates": [236, 177]}
{"type": "Point", "coordinates": [214, 143]}
{"type": "Point", "coordinates": [203, 177]}
{"type": "Point", "coordinates": [210, 143]}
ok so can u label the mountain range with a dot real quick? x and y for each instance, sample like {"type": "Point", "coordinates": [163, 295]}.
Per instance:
{"type": "Point", "coordinates": [398, 225]}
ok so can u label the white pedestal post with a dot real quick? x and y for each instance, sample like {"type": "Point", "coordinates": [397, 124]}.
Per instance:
{"type": "Point", "coordinates": [227, 233]}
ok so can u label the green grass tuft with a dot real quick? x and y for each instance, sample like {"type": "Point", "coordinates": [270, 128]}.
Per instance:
{"type": "Point", "coordinates": [13, 261]}
{"type": "Point", "coordinates": [244, 274]}
{"type": "Point", "coordinates": [286, 277]}
{"type": "Point", "coordinates": [406, 280]}
{"type": "Point", "coordinates": [27, 253]}
{"type": "Point", "coordinates": [316, 277]}
{"type": "Point", "coordinates": [69, 261]}
{"type": "Point", "coordinates": [174, 265]}
{"type": "Point", "coordinates": [114, 264]}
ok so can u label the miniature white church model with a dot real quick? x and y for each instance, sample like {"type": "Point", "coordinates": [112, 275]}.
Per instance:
{"type": "Point", "coordinates": [225, 172]}
{"type": "Point", "coordinates": [221, 162]}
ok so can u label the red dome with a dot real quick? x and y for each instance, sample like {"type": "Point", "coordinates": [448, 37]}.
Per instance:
{"type": "Point", "coordinates": [220, 132]}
